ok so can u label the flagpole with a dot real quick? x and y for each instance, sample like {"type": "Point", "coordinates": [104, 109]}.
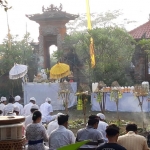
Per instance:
{"type": "Point", "coordinates": [88, 15]}
{"type": "Point", "coordinates": [9, 42]}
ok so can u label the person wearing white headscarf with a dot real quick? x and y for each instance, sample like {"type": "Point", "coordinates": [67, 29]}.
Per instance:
{"type": "Point", "coordinates": [53, 124]}
{"type": "Point", "coordinates": [2, 104]}
{"type": "Point", "coordinates": [46, 110]}
{"type": "Point", "coordinates": [17, 99]}
{"type": "Point", "coordinates": [102, 125]}
{"type": "Point", "coordinates": [28, 106]}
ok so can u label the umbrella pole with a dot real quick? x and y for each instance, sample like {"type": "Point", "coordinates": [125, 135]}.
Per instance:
{"type": "Point", "coordinates": [66, 106]}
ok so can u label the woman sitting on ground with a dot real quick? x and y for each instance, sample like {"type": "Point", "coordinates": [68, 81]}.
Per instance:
{"type": "Point", "coordinates": [36, 133]}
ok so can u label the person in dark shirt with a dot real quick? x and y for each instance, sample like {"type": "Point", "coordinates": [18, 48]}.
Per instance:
{"type": "Point", "coordinates": [112, 133]}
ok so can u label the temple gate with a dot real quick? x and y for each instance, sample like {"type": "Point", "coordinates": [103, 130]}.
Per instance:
{"type": "Point", "coordinates": [51, 32]}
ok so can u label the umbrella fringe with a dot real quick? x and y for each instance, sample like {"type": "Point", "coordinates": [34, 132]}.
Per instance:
{"type": "Point", "coordinates": [59, 76]}
{"type": "Point", "coordinates": [18, 75]}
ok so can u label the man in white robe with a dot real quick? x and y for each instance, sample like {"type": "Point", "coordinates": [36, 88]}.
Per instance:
{"type": "Point", "coordinates": [46, 110]}
{"type": "Point", "coordinates": [28, 119]}
{"type": "Point", "coordinates": [53, 124]}
{"type": "Point", "coordinates": [17, 99]}
{"type": "Point", "coordinates": [61, 136]}
{"type": "Point", "coordinates": [28, 106]}
{"type": "Point", "coordinates": [9, 107]}
{"type": "Point", "coordinates": [3, 104]}
{"type": "Point", "coordinates": [102, 125]}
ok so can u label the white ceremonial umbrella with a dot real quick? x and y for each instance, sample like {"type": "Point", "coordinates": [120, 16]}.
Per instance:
{"type": "Point", "coordinates": [18, 71]}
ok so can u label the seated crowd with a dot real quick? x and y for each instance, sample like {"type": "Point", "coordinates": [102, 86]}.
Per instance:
{"type": "Point", "coordinates": [101, 136]}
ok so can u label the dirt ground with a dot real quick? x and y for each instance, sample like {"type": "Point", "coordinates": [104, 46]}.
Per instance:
{"type": "Point", "coordinates": [135, 117]}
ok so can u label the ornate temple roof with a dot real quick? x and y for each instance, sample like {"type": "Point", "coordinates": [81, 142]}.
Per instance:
{"type": "Point", "coordinates": [142, 31]}
{"type": "Point", "coordinates": [52, 13]}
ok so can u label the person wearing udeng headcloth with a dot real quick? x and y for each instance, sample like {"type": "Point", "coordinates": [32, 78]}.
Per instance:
{"type": "Point", "coordinates": [17, 99]}
{"type": "Point", "coordinates": [28, 119]}
{"type": "Point", "coordinates": [46, 110]}
{"type": "Point", "coordinates": [102, 125]}
{"type": "Point", "coordinates": [28, 106]}
{"type": "Point", "coordinates": [10, 106]}
{"type": "Point", "coordinates": [2, 104]}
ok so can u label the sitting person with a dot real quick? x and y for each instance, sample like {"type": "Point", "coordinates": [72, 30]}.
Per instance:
{"type": "Point", "coordinates": [36, 133]}
{"type": "Point", "coordinates": [90, 132]}
{"type": "Point", "coordinates": [112, 133]}
{"type": "Point", "coordinates": [131, 140]}
{"type": "Point", "coordinates": [61, 136]}
{"type": "Point", "coordinates": [53, 124]}
{"type": "Point", "coordinates": [28, 119]}
{"type": "Point", "coordinates": [9, 107]}
{"type": "Point", "coordinates": [102, 125]}
{"type": "Point", "coordinates": [46, 110]}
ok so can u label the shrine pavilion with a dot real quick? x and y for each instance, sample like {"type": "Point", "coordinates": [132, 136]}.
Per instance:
{"type": "Point", "coordinates": [141, 59]}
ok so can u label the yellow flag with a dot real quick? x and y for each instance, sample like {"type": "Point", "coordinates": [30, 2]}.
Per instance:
{"type": "Point", "coordinates": [92, 55]}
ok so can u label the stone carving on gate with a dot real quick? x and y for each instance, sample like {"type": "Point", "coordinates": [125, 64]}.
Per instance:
{"type": "Point", "coordinates": [52, 8]}
{"type": "Point", "coordinates": [48, 29]}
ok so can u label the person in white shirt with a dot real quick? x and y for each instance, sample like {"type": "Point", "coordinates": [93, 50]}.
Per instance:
{"type": "Point", "coordinates": [102, 125]}
{"type": "Point", "coordinates": [9, 107]}
{"type": "Point", "coordinates": [2, 104]}
{"type": "Point", "coordinates": [61, 136]}
{"type": "Point", "coordinates": [28, 106]}
{"type": "Point", "coordinates": [28, 119]}
{"type": "Point", "coordinates": [17, 99]}
{"type": "Point", "coordinates": [53, 125]}
{"type": "Point", "coordinates": [46, 110]}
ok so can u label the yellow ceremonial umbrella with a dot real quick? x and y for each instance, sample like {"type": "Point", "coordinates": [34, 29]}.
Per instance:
{"type": "Point", "coordinates": [59, 71]}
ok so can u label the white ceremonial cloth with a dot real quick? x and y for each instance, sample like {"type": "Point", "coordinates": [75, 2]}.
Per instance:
{"type": "Point", "coordinates": [46, 109]}
{"type": "Point", "coordinates": [101, 128]}
{"type": "Point", "coordinates": [43, 90]}
{"type": "Point", "coordinates": [61, 137]}
{"type": "Point", "coordinates": [2, 106]}
{"type": "Point", "coordinates": [20, 108]}
{"type": "Point", "coordinates": [8, 108]}
{"type": "Point", "coordinates": [27, 109]}
{"type": "Point", "coordinates": [52, 126]}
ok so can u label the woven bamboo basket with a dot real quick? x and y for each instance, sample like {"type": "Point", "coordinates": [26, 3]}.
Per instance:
{"type": "Point", "coordinates": [12, 144]}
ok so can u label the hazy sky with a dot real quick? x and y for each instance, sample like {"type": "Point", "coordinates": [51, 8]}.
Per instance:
{"type": "Point", "coordinates": [137, 10]}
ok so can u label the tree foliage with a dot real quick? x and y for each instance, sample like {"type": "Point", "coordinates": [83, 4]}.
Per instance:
{"type": "Point", "coordinates": [113, 52]}
{"type": "Point", "coordinates": [4, 4]}
{"type": "Point", "coordinates": [99, 20]}
{"type": "Point", "coordinates": [16, 51]}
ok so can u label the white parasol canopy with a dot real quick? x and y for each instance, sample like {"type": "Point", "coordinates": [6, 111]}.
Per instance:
{"type": "Point", "coordinates": [18, 71]}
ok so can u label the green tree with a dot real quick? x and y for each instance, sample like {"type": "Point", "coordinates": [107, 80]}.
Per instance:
{"type": "Point", "coordinates": [114, 48]}
{"type": "Point", "coordinates": [14, 51]}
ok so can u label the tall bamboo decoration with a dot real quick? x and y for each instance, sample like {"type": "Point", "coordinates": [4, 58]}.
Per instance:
{"type": "Point", "coordinates": [115, 95]}
{"type": "Point", "coordinates": [83, 92]}
{"type": "Point", "coordinates": [82, 101]}
{"type": "Point", "coordinates": [101, 91]}
{"type": "Point", "coordinates": [64, 93]}
{"type": "Point", "coordinates": [141, 91]}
